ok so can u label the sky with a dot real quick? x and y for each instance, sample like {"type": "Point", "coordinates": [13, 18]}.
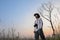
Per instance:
{"type": "Point", "coordinates": [19, 14]}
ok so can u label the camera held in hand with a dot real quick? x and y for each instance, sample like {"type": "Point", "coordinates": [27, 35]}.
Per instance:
{"type": "Point", "coordinates": [36, 25]}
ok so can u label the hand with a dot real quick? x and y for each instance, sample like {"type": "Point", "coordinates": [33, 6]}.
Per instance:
{"type": "Point", "coordinates": [34, 31]}
{"type": "Point", "coordinates": [35, 25]}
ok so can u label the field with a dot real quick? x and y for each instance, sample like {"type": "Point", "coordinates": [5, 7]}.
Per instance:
{"type": "Point", "coordinates": [47, 38]}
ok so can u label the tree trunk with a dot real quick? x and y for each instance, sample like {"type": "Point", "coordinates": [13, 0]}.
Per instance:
{"type": "Point", "coordinates": [52, 28]}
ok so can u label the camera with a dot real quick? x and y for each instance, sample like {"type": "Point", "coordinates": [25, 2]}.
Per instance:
{"type": "Point", "coordinates": [36, 25]}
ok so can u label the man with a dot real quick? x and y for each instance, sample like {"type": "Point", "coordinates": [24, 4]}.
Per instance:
{"type": "Point", "coordinates": [38, 25]}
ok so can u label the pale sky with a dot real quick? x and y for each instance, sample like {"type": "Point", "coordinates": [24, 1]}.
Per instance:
{"type": "Point", "coordinates": [20, 14]}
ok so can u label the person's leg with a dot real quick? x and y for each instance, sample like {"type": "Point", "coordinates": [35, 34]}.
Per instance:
{"type": "Point", "coordinates": [36, 36]}
{"type": "Point", "coordinates": [42, 34]}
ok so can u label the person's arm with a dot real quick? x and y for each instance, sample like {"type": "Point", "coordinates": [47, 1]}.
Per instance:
{"type": "Point", "coordinates": [35, 27]}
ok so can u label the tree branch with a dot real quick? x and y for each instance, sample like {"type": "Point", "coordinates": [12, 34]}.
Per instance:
{"type": "Point", "coordinates": [43, 16]}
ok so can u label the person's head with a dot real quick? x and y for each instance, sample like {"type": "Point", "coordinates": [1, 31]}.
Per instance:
{"type": "Point", "coordinates": [37, 15]}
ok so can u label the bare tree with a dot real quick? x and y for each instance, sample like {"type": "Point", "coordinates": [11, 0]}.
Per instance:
{"type": "Point", "coordinates": [13, 33]}
{"type": "Point", "coordinates": [8, 34]}
{"type": "Point", "coordinates": [47, 7]}
{"type": "Point", "coordinates": [0, 34]}
{"type": "Point", "coordinates": [18, 36]}
{"type": "Point", "coordinates": [3, 34]}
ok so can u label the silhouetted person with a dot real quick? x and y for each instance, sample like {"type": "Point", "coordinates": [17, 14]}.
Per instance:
{"type": "Point", "coordinates": [38, 25]}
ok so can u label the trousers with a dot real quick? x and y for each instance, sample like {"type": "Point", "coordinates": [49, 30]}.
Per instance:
{"type": "Point", "coordinates": [39, 33]}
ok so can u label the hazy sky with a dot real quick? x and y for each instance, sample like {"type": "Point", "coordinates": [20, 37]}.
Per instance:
{"type": "Point", "coordinates": [19, 13]}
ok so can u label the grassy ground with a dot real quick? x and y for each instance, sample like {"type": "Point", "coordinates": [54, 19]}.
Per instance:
{"type": "Point", "coordinates": [47, 38]}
